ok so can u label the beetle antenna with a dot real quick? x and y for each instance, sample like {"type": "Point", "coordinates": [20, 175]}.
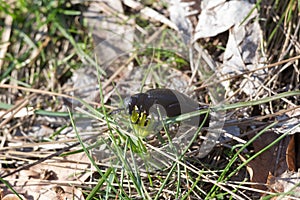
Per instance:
{"type": "Point", "coordinates": [116, 111]}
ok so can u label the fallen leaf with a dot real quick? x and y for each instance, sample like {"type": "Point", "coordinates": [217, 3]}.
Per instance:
{"type": "Point", "coordinates": [243, 54]}
{"type": "Point", "coordinates": [113, 32]}
{"type": "Point", "coordinates": [178, 15]}
{"type": "Point", "coordinates": [291, 154]}
{"type": "Point", "coordinates": [221, 17]}
{"type": "Point", "coordinates": [48, 179]}
{"type": "Point", "coordinates": [271, 161]}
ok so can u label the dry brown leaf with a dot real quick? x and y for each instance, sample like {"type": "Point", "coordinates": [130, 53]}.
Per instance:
{"type": "Point", "coordinates": [293, 153]}
{"type": "Point", "coordinates": [297, 150]}
{"type": "Point", "coordinates": [272, 160]}
{"type": "Point", "coordinates": [271, 166]}
{"type": "Point", "coordinates": [52, 179]}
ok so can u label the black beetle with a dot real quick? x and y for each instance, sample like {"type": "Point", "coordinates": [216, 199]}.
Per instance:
{"type": "Point", "coordinates": [173, 102]}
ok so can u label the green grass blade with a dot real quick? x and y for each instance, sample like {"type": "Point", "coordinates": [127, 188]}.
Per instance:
{"type": "Point", "coordinates": [103, 178]}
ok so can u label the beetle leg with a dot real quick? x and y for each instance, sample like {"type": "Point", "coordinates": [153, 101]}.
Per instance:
{"type": "Point", "coordinates": [135, 115]}
{"type": "Point", "coordinates": [146, 122]}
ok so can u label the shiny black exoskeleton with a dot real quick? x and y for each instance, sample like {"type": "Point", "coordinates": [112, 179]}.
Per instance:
{"type": "Point", "coordinates": [173, 102]}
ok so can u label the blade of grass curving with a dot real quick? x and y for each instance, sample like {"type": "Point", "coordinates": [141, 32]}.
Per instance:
{"type": "Point", "coordinates": [18, 82]}
{"type": "Point", "coordinates": [8, 71]}
{"type": "Point", "coordinates": [87, 151]}
{"type": "Point", "coordinates": [259, 101]}
{"type": "Point", "coordinates": [285, 195]}
{"type": "Point", "coordinates": [132, 173]}
{"type": "Point", "coordinates": [233, 159]}
{"type": "Point", "coordinates": [192, 187]}
{"type": "Point", "coordinates": [97, 144]}
{"type": "Point", "coordinates": [278, 24]}
{"type": "Point", "coordinates": [135, 173]}
{"type": "Point", "coordinates": [199, 171]}
{"type": "Point", "coordinates": [177, 195]}
{"type": "Point", "coordinates": [232, 106]}
{"type": "Point", "coordinates": [165, 181]}
{"type": "Point", "coordinates": [10, 187]}
{"type": "Point", "coordinates": [179, 158]}
{"type": "Point", "coordinates": [80, 52]}
{"type": "Point", "coordinates": [257, 6]}
{"type": "Point", "coordinates": [93, 193]}
{"type": "Point", "coordinates": [120, 183]}
{"type": "Point", "coordinates": [121, 155]}
{"type": "Point", "coordinates": [5, 106]}
{"type": "Point", "coordinates": [262, 150]}
{"type": "Point", "coordinates": [95, 113]}
{"type": "Point", "coordinates": [195, 135]}
{"type": "Point", "coordinates": [58, 114]}
{"type": "Point", "coordinates": [27, 39]}
{"type": "Point", "coordinates": [136, 179]}
{"type": "Point", "coordinates": [56, 133]}
{"type": "Point", "coordinates": [111, 179]}
{"type": "Point", "coordinates": [70, 12]}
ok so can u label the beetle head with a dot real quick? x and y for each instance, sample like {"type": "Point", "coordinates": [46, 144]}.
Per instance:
{"type": "Point", "coordinates": [136, 101]}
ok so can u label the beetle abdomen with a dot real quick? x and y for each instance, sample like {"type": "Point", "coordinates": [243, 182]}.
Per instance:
{"type": "Point", "coordinates": [174, 102]}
